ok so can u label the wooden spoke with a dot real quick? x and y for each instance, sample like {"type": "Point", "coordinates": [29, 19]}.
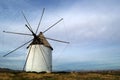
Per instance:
{"type": "Point", "coordinates": [57, 40]}
{"type": "Point", "coordinates": [17, 48]}
{"type": "Point", "coordinates": [17, 33]}
{"type": "Point", "coordinates": [40, 20]}
{"type": "Point", "coordinates": [53, 25]}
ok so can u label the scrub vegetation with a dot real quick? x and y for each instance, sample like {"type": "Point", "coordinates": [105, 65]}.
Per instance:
{"type": "Point", "coordinates": [84, 75]}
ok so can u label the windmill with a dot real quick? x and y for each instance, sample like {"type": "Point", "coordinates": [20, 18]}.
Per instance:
{"type": "Point", "coordinates": [39, 55]}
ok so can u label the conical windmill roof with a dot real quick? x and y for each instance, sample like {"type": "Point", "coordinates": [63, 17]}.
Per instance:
{"type": "Point", "coordinates": [44, 41]}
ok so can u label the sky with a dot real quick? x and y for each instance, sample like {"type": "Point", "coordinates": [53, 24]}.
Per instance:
{"type": "Point", "coordinates": [91, 26]}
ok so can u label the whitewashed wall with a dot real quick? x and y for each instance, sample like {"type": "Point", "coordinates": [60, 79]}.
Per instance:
{"type": "Point", "coordinates": [39, 59]}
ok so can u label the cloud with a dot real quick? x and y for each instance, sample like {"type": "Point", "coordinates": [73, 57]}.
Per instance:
{"type": "Point", "coordinates": [92, 24]}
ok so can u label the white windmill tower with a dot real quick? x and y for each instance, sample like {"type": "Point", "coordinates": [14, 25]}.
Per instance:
{"type": "Point", "coordinates": [39, 56]}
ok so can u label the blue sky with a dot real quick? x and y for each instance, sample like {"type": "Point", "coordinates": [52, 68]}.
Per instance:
{"type": "Point", "coordinates": [91, 26]}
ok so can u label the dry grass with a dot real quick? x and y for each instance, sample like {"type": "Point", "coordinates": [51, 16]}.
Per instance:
{"type": "Point", "coordinates": [98, 75]}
